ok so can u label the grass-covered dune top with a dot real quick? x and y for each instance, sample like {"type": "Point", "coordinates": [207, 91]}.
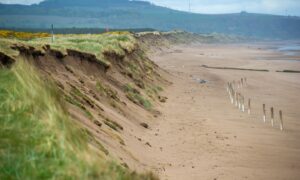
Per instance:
{"type": "Point", "coordinates": [118, 43]}
{"type": "Point", "coordinates": [38, 140]}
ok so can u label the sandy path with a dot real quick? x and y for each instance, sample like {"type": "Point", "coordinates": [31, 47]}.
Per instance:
{"type": "Point", "coordinates": [202, 136]}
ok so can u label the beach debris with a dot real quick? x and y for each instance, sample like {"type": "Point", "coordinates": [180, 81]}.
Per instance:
{"type": "Point", "coordinates": [201, 81]}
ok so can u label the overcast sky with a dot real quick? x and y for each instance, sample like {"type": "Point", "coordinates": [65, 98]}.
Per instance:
{"type": "Point", "coordinates": [282, 7]}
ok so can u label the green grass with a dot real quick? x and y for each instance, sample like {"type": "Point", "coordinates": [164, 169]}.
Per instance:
{"type": "Point", "coordinates": [117, 43]}
{"type": "Point", "coordinates": [135, 96]}
{"type": "Point", "coordinates": [153, 91]}
{"type": "Point", "coordinates": [38, 140]}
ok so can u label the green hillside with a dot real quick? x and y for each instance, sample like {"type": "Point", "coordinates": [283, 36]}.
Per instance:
{"type": "Point", "coordinates": [136, 14]}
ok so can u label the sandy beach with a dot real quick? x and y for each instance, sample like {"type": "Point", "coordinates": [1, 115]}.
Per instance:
{"type": "Point", "coordinates": [201, 135]}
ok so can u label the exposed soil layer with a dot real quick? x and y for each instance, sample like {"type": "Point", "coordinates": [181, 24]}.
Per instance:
{"type": "Point", "coordinates": [5, 60]}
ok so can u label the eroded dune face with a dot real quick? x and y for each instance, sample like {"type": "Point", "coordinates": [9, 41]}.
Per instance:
{"type": "Point", "coordinates": [114, 99]}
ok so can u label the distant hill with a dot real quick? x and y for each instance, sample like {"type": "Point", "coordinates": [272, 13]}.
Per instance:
{"type": "Point", "coordinates": [120, 14]}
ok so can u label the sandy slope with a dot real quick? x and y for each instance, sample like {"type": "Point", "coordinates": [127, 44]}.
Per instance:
{"type": "Point", "coordinates": [200, 135]}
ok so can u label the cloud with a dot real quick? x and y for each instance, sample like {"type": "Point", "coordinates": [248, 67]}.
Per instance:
{"type": "Point", "coordinates": [291, 7]}
{"type": "Point", "coordinates": [20, 1]}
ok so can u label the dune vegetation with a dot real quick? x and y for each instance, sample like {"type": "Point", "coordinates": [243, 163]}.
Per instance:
{"type": "Point", "coordinates": [117, 43]}
{"type": "Point", "coordinates": [38, 138]}
{"type": "Point", "coordinates": [22, 35]}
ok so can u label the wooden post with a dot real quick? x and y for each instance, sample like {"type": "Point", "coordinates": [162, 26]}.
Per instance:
{"type": "Point", "coordinates": [231, 98]}
{"type": "Point", "coordinates": [264, 111]}
{"type": "Point", "coordinates": [227, 88]}
{"type": "Point", "coordinates": [52, 33]}
{"type": "Point", "coordinates": [249, 106]}
{"type": "Point", "coordinates": [272, 116]}
{"type": "Point", "coordinates": [236, 99]}
{"type": "Point", "coordinates": [281, 120]}
{"type": "Point", "coordinates": [231, 95]}
{"type": "Point", "coordinates": [239, 101]}
{"type": "Point", "coordinates": [229, 91]}
{"type": "Point", "coordinates": [242, 82]}
{"type": "Point", "coordinates": [243, 104]}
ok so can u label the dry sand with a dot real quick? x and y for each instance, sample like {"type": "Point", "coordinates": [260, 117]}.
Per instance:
{"type": "Point", "coordinates": [201, 135]}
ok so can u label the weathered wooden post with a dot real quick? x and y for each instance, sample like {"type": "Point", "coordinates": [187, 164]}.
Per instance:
{"type": "Point", "coordinates": [239, 101]}
{"type": "Point", "coordinates": [272, 116]}
{"type": "Point", "coordinates": [52, 33]}
{"type": "Point", "coordinates": [243, 104]}
{"type": "Point", "coordinates": [236, 98]}
{"type": "Point", "coordinates": [227, 87]}
{"type": "Point", "coordinates": [264, 111]}
{"type": "Point", "coordinates": [281, 120]}
{"type": "Point", "coordinates": [229, 90]}
{"type": "Point", "coordinates": [249, 106]}
{"type": "Point", "coordinates": [231, 95]}
{"type": "Point", "coordinates": [231, 98]}
{"type": "Point", "coordinates": [242, 82]}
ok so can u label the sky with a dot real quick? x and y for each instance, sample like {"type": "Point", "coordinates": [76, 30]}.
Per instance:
{"type": "Point", "coordinates": [281, 7]}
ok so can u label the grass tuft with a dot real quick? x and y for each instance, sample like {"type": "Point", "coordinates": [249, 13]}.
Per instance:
{"type": "Point", "coordinates": [135, 96]}
{"type": "Point", "coordinates": [106, 91]}
{"type": "Point", "coordinates": [38, 140]}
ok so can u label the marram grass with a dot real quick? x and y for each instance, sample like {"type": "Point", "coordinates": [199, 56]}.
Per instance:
{"type": "Point", "coordinates": [117, 43]}
{"type": "Point", "coordinates": [38, 140]}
